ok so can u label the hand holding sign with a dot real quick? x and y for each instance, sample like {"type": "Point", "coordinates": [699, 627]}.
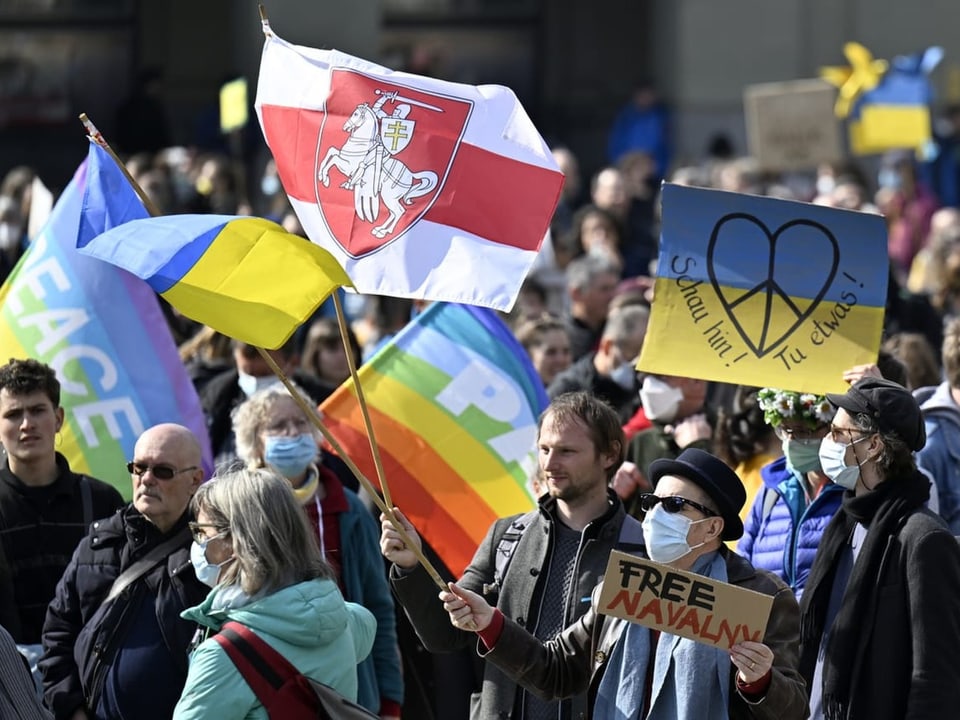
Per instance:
{"type": "Point", "coordinates": [753, 660]}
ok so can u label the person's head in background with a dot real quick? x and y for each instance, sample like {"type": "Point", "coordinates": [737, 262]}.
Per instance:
{"type": "Point", "coordinates": [598, 232]}
{"type": "Point", "coordinates": [531, 301]}
{"type": "Point", "coordinates": [323, 354]}
{"type": "Point", "coordinates": [891, 368]}
{"type": "Point", "coordinates": [951, 353]}
{"type": "Point", "coordinates": [639, 171]}
{"type": "Point", "coordinates": [800, 421]}
{"type": "Point", "coordinates": [918, 358]}
{"type": "Point", "coordinates": [546, 341]}
{"type": "Point", "coordinates": [254, 373]}
{"type": "Point", "coordinates": [742, 432]}
{"type": "Point", "coordinates": [591, 285]}
{"type": "Point", "coordinates": [740, 175]}
{"type": "Point", "coordinates": [571, 173]}
{"type": "Point", "coordinates": [608, 190]}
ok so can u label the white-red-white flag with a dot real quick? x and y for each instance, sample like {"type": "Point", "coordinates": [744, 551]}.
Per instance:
{"type": "Point", "coordinates": [420, 188]}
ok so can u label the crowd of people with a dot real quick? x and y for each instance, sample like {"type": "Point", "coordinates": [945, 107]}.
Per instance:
{"type": "Point", "coordinates": [843, 508]}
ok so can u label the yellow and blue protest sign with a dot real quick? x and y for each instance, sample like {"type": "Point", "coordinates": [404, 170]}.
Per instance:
{"type": "Point", "coordinates": [761, 291]}
{"type": "Point", "coordinates": [887, 105]}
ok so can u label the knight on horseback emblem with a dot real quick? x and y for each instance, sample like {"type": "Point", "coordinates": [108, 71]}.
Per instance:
{"type": "Point", "coordinates": [368, 159]}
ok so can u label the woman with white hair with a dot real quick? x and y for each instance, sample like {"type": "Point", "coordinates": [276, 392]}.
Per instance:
{"type": "Point", "coordinates": [252, 545]}
{"type": "Point", "coordinates": [272, 431]}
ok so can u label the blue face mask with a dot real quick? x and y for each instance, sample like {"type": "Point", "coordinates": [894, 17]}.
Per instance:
{"type": "Point", "coordinates": [666, 534]}
{"type": "Point", "coordinates": [206, 572]}
{"type": "Point", "coordinates": [290, 456]}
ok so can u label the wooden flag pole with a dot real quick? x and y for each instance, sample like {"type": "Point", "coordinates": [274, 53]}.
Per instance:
{"type": "Point", "coordinates": [96, 137]}
{"type": "Point", "coordinates": [386, 509]}
{"type": "Point", "coordinates": [374, 446]}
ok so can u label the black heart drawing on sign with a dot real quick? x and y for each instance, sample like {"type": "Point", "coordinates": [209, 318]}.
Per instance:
{"type": "Point", "coordinates": [763, 344]}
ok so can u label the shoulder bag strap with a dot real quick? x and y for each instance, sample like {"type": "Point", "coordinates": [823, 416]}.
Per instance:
{"type": "Point", "coordinates": [264, 669]}
{"type": "Point", "coordinates": [145, 564]}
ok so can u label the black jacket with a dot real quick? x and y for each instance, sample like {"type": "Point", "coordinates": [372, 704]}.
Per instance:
{"type": "Point", "coordinates": [39, 530]}
{"type": "Point", "coordinates": [82, 634]}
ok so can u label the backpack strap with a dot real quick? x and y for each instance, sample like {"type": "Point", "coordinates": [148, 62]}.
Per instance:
{"type": "Point", "coordinates": [86, 501]}
{"type": "Point", "coordinates": [264, 669]}
{"type": "Point", "coordinates": [506, 547]}
{"type": "Point", "coordinates": [769, 500]}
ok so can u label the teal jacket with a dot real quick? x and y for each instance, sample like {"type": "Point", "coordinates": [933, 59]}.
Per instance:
{"type": "Point", "coordinates": [308, 623]}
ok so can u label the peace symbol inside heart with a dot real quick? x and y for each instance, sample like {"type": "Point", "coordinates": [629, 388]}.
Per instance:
{"type": "Point", "coordinates": [768, 282]}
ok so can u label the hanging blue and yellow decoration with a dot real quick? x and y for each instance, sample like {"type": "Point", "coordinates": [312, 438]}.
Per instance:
{"type": "Point", "coordinates": [886, 105]}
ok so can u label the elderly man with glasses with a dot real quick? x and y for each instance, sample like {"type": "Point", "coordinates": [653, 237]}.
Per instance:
{"type": "Point", "coordinates": [114, 643]}
{"type": "Point", "coordinates": [631, 671]}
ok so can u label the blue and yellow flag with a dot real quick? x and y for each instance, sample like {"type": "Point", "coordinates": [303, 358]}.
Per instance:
{"type": "Point", "coordinates": [759, 291]}
{"type": "Point", "coordinates": [246, 277]}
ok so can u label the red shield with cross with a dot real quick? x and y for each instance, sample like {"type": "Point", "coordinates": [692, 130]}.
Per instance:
{"type": "Point", "coordinates": [384, 154]}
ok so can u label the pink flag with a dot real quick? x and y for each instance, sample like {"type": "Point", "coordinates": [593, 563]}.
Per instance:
{"type": "Point", "coordinates": [420, 188]}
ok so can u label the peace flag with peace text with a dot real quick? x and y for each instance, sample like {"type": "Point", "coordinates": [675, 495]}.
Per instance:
{"type": "Point", "coordinates": [420, 188]}
{"type": "Point", "coordinates": [761, 291]}
{"type": "Point", "coordinates": [101, 329]}
{"type": "Point", "coordinates": [454, 401]}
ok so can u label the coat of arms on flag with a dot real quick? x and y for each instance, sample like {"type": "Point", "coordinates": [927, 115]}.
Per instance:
{"type": "Point", "coordinates": [376, 175]}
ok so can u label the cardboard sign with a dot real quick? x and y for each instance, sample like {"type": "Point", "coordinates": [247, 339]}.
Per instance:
{"type": "Point", "coordinates": [759, 291]}
{"type": "Point", "coordinates": [233, 105]}
{"type": "Point", "coordinates": [791, 125]}
{"type": "Point", "coordinates": [682, 603]}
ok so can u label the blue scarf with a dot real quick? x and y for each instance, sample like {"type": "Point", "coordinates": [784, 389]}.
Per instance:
{"type": "Point", "coordinates": [691, 681]}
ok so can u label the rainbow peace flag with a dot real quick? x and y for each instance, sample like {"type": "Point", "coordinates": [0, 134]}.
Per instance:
{"type": "Point", "coordinates": [454, 403]}
{"type": "Point", "coordinates": [246, 277]}
{"type": "Point", "coordinates": [101, 329]}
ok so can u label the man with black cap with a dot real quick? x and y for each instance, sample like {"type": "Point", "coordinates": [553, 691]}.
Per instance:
{"type": "Point", "coordinates": [880, 617]}
{"type": "Point", "coordinates": [631, 671]}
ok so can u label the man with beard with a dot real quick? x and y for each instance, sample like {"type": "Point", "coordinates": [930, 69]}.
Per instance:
{"type": "Point", "coordinates": [539, 568]}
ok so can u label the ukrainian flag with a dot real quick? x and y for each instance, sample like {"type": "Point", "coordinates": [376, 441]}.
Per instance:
{"type": "Point", "coordinates": [246, 277]}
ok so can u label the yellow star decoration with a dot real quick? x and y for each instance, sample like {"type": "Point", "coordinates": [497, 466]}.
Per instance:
{"type": "Point", "coordinates": [862, 76]}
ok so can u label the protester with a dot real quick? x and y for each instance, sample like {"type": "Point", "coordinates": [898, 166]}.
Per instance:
{"type": "Point", "coordinates": [880, 601]}
{"type": "Point", "coordinates": [787, 519]}
{"type": "Point", "coordinates": [273, 431]}
{"type": "Point", "coordinates": [45, 507]}
{"type": "Point", "coordinates": [18, 696]}
{"type": "Point", "coordinates": [252, 545]}
{"type": "Point", "coordinates": [591, 285]}
{"type": "Point", "coordinates": [323, 355]}
{"type": "Point", "coordinates": [546, 342]}
{"type": "Point", "coordinates": [536, 568]}
{"type": "Point", "coordinates": [609, 373]}
{"type": "Point", "coordinates": [941, 414]}
{"type": "Point", "coordinates": [114, 643]}
{"type": "Point", "coordinates": [695, 507]}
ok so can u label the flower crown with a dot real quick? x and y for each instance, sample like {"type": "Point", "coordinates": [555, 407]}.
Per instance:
{"type": "Point", "coordinates": [781, 405]}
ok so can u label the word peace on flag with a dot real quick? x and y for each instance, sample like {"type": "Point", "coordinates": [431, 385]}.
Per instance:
{"type": "Point", "coordinates": [760, 291]}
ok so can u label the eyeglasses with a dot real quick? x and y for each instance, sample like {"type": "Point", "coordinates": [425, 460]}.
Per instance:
{"type": "Point", "coordinates": [288, 426]}
{"type": "Point", "coordinates": [197, 532]}
{"type": "Point", "coordinates": [672, 504]}
{"type": "Point", "coordinates": [837, 433]}
{"type": "Point", "coordinates": [785, 433]}
{"type": "Point", "coordinates": [160, 472]}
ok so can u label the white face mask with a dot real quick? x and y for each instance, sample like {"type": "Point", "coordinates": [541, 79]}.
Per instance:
{"type": "Point", "coordinates": [660, 401]}
{"type": "Point", "coordinates": [831, 461]}
{"type": "Point", "coordinates": [666, 534]}
{"type": "Point", "coordinates": [250, 383]}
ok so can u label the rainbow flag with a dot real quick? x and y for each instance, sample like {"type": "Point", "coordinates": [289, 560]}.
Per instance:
{"type": "Point", "coordinates": [246, 277]}
{"type": "Point", "coordinates": [101, 329]}
{"type": "Point", "coordinates": [454, 402]}
{"type": "Point", "coordinates": [759, 291]}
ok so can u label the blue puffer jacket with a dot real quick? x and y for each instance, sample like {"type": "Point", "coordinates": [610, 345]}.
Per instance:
{"type": "Point", "coordinates": [785, 541]}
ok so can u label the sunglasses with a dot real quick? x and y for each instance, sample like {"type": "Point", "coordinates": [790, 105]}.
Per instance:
{"type": "Point", "coordinates": [160, 472]}
{"type": "Point", "coordinates": [672, 504]}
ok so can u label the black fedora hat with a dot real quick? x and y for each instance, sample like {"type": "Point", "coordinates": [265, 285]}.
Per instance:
{"type": "Point", "coordinates": [715, 478]}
